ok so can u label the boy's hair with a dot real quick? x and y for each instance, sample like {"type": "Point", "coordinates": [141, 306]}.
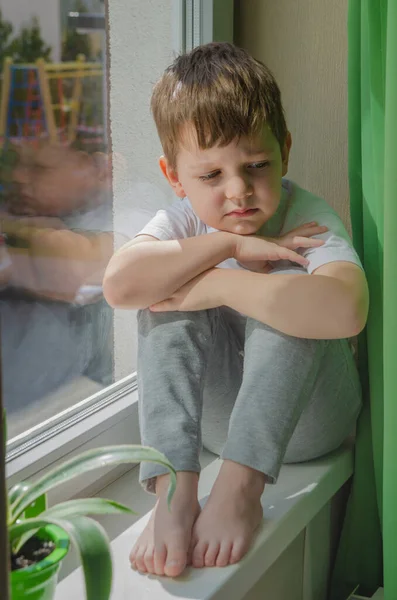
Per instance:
{"type": "Point", "coordinates": [223, 91]}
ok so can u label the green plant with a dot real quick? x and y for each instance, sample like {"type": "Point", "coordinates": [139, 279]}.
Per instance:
{"type": "Point", "coordinates": [75, 43]}
{"type": "Point", "coordinates": [28, 46]}
{"type": "Point", "coordinates": [88, 536]}
{"type": "Point", "coordinates": [6, 30]}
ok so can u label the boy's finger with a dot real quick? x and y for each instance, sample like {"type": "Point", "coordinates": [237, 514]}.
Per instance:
{"type": "Point", "coordinates": [309, 224]}
{"type": "Point", "coordinates": [305, 242]}
{"type": "Point", "coordinates": [301, 242]}
{"type": "Point", "coordinates": [309, 231]}
{"type": "Point", "coordinates": [294, 257]}
{"type": "Point", "coordinates": [304, 226]}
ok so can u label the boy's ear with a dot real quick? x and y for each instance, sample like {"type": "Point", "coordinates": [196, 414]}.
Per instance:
{"type": "Point", "coordinates": [285, 153]}
{"type": "Point", "coordinates": [171, 175]}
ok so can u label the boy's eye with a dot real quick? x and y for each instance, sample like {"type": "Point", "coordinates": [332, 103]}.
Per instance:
{"type": "Point", "coordinates": [259, 165]}
{"type": "Point", "coordinates": [254, 166]}
{"type": "Point", "coordinates": [209, 176]}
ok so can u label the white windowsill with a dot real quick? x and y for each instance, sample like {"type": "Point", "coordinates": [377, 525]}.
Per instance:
{"type": "Point", "coordinates": [301, 492]}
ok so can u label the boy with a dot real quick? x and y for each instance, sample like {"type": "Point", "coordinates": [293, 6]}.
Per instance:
{"type": "Point", "coordinates": [248, 288]}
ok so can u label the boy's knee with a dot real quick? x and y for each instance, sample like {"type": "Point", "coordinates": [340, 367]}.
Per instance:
{"type": "Point", "coordinates": [146, 319]}
{"type": "Point", "coordinates": [175, 320]}
{"type": "Point", "coordinates": [266, 335]}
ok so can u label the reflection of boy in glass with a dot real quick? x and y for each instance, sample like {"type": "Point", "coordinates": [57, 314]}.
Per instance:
{"type": "Point", "coordinates": [59, 221]}
{"type": "Point", "coordinates": [58, 231]}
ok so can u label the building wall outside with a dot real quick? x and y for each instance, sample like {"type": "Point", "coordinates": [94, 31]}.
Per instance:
{"type": "Point", "coordinates": [305, 45]}
{"type": "Point", "coordinates": [91, 6]}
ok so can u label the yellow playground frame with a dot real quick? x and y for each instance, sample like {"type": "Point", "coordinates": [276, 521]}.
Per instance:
{"type": "Point", "coordinates": [75, 71]}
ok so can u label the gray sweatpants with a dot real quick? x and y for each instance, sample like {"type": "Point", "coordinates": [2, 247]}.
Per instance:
{"type": "Point", "coordinates": [248, 393]}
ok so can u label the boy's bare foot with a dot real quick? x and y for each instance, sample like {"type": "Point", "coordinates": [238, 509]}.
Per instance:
{"type": "Point", "coordinates": [225, 528]}
{"type": "Point", "coordinates": [162, 547]}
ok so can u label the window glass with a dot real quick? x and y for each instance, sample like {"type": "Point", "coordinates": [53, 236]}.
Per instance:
{"type": "Point", "coordinates": [78, 178]}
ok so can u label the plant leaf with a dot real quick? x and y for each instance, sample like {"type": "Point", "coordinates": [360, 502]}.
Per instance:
{"type": "Point", "coordinates": [92, 544]}
{"type": "Point", "coordinates": [86, 506]}
{"type": "Point", "coordinates": [91, 540]}
{"type": "Point", "coordinates": [75, 508]}
{"type": "Point", "coordinates": [25, 529]}
{"type": "Point", "coordinates": [87, 461]}
{"type": "Point", "coordinates": [18, 490]}
{"type": "Point", "coordinates": [25, 537]}
{"type": "Point", "coordinates": [38, 506]}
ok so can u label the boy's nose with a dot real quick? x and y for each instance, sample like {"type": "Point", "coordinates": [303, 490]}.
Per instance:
{"type": "Point", "coordinates": [238, 190]}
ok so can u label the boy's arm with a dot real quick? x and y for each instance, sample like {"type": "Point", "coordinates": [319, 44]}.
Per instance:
{"type": "Point", "coordinates": [146, 270]}
{"type": "Point", "coordinates": [331, 303]}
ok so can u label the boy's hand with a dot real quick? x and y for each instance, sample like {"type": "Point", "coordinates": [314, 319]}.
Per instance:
{"type": "Point", "coordinates": [301, 237]}
{"type": "Point", "coordinates": [255, 252]}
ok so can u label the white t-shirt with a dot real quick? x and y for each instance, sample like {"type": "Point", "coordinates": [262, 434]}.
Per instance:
{"type": "Point", "coordinates": [297, 206]}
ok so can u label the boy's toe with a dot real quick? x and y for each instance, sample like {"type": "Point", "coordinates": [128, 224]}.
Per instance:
{"type": "Point", "coordinates": [176, 560]}
{"type": "Point", "coordinates": [189, 555]}
{"type": "Point", "coordinates": [198, 554]}
{"type": "Point", "coordinates": [211, 554]}
{"type": "Point", "coordinates": [133, 565]}
{"type": "Point", "coordinates": [160, 554]}
{"type": "Point", "coordinates": [224, 554]}
{"type": "Point", "coordinates": [240, 548]}
{"type": "Point", "coordinates": [132, 556]}
{"type": "Point", "coordinates": [140, 559]}
{"type": "Point", "coordinates": [192, 545]}
{"type": "Point", "coordinates": [149, 559]}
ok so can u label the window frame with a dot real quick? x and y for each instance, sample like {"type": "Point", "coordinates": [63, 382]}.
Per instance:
{"type": "Point", "coordinates": [114, 423]}
{"type": "Point", "coordinates": [111, 415]}
{"type": "Point", "coordinates": [88, 410]}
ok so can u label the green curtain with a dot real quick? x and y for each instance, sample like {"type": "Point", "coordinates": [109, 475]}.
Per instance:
{"type": "Point", "coordinates": [370, 529]}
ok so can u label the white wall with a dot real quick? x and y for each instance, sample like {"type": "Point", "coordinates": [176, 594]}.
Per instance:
{"type": "Point", "coordinates": [305, 45]}
{"type": "Point", "coordinates": [20, 12]}
{"type": "Point", "coordinates": [140, 37]}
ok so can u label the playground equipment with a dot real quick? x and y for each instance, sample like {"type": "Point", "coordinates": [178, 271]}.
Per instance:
{"type": "Point", "coordinates": [55, 101]}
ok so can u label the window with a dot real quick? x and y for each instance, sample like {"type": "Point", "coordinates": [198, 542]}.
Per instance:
{"type": "Point", "coordinates": [79, 177]}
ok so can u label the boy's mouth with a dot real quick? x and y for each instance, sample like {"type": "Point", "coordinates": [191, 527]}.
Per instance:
{"type": "Point", "coordinates": [245, 212]}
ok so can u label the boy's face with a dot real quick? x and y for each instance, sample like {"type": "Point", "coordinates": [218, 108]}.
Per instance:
{"type": "Point", "coordinates": [236, 188]}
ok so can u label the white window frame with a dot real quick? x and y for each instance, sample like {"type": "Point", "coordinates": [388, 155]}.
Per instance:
{"type": "Point", "coordinates": [200, 22]}
{"type": "Point", "coordinates": [111, 416]}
